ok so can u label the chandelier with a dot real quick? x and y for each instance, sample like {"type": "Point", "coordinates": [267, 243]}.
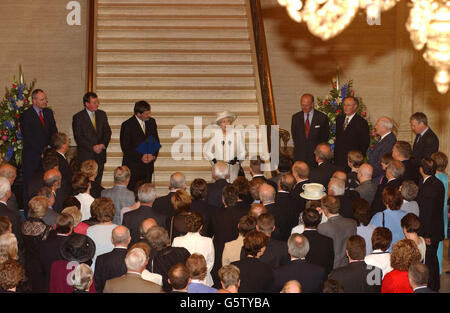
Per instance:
{"type": "Point", "coordinates": [428, 24]}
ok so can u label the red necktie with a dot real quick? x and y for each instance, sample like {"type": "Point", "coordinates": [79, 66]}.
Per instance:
{"type": "Point", "coordinates": [41, 118]}
{"type": "Point", "coordinates": [307, 126]}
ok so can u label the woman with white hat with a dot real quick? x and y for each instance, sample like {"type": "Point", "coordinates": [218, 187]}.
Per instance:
{"type": "Point", "coordinates": [227, 144]}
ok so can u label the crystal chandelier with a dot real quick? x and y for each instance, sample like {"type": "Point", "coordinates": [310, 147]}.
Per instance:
{"type": "Point", "coordinates": [428, 24]}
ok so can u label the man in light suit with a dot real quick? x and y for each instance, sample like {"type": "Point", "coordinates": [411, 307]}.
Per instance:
{"type": "Point", "coordinates": [337, 228]}
{"type": "Point", "coordinates": [136, 261]}
{"type": "Point", "coordinates": [352, 133]}
{"type": "Point", "coordinates": [309, 127]}
{"type": "Point", "coordinates": [133, 132]}
{"type": "Point", "coordinates": [426, 142]}
{"type": "Point", "coordinates": [383, 128]}
{"type": "Point", "coordinates": [119, 194]}
{"type": "Point", "coordinates": [92, 133]}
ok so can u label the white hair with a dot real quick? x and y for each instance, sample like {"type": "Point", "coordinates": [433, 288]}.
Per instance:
{"type": "Point", "coordinates": [5, 186]}
{"type": "Point", "coordinates": [338, 186]}
{"type": "Point", "coordinates": [220, 170]}
{"type": "Point", "coordinates": [82, 276]}
{"type": "Point", "coordinates": [387, 122]}
{"type": "Point", "coordinates": [135, 259]}
{"type": "Point", "coordinates": [146, 193]}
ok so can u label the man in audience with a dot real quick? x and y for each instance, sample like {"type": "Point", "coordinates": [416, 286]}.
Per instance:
{"type": "Point", "coordinates": [394, 172]}
{"type": "Point", "coordinates": [321, 250]}
{"type": "Point", "coordinates": [49, 162]}
{"type": "Point", "coordinates": [135, 261]}
{"type": "Point", "coordinates": [229, 279]}
{"type": "Point", "coordinates": [336, 187]}
{"type": "Point", "coordinates": [198, 191]}
{"type": "Point", "coordinates": [254, 185]}
{"type": "Point", "coordinates": [324, 170]}
{"type": "Point", "coordinates": [52, 179]}
{"type": "Point", "coordinates": [9, 172]}
{"type": "Point", "coordinates": [354, 161]}
{"type": "Point", "coordinates": [310, 276]}
{"type": "Point", "coordinates": [256, 170]}
{"type": "Point", "coordinates": [257, 209]}
{"type": "Point", "coordinates": [50, 217]}
{"type": "Point", "coordinates": [119, 194]}
{"type": "Point", "coordinates": [366, 188]}
{"type": "Point", "coordinates": [309, 127]}
{"type": "Point", "coordinates": [232, 249]}
{"type": "Point", "coordinates": [220, 175]}
{"type": "Point", "coordinates": [196, 265]}
{"type": "Point", "coordinates": [337, 228]}
{"type": "Point", "coordinates": [409, 191]}
{"type": "Point", "coordinates": [292, 286]}
{"type": "Point", "coordinates": [383, 128]}
{"type": "Point", "coordinates": [14, 216]}
{"type": "Point", "coordinates": [284, 167]}
{"type": "Point", "coordinates": [418, 275]}
{"type": "Point", "coordinates": [276, 253]}
{"type": "Point", "coordinates": [163, 204]}
{"type": "Point", "coordinates": [430, 199]}
{"type": "Point", "coordinates": [357, 276]}
{"type": "Point", "coordinates": [284, 198]}
{"type": "Point", "coordinates": [179, 278]}
{"type": "Point", "coordinates": [242, 185]}
{"type": "Point", "coordinates": [60, 142]}
{"type": "Point", "coordinates": [402, 152]}
{"type": "Point", "coordinates": [112, 264]}
{"type": "Point", "coordinates": [132, 220]}
{"type": "Point", "coordinates": [352, 132]}
{"type": "Point", "coordinates": [426, 142]}
{"type": "Point", "coordinates": [281, 214]}
{"type": "Point", "coordinates": [300, 171]}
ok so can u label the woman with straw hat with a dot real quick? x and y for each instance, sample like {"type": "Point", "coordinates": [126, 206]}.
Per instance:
{"type": "Point", "coordinates": [227, 144]}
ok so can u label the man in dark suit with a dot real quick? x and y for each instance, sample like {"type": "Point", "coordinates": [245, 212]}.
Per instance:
{"type": "Point", "coordinates": [14, 216]}
{"type": "Point", "coordinates": [60, 142]}
{"type": "Point", "coordinates": [281, 214]}
{"type": "Point", "coordinates": [198, 191]}
{"type": "Point", "coordinates": [37, 125]}
{"type": "Point", "coordinates": [112, 264]}
{"type": "Point", "coordinates": [402, 152]}
{"type": "Point", "coordinates": [132, 220]}
{"type": "Point", "coordinates": [300, 171]}
{"type": "Point", "coordinates": [133, 132]}
{"type": "Point", "coordinates": [383, 128]}
{"type": "Point", "coordinates": [324, 170]}
{"type": "Point", "coordinates": [418, 275]}
{"type": "Point", "coordinates": [352, 133]}
{"type": "Point", "coordinates": [426, 142]}
{"type": "Point", "coordinates": [285, 199]}
{"type": "Point", "coordinates": [256, 170]}
{"type": "Point", "coordinates": [309, 127]}
{"type": "Point", "coordinates": [357, 276]}
{"type": "Point", "coordinates": [310, 276]}
{"type": "Point", "coordinates": [430, 199]}
{"type": "Point", "coordinates": [10, 173]}
{"type": "Point", "coordinates": [214, 190]}
{"type": "Point", "coordinates": [163, 204]}
{"type": "Point", "coordinates": [92, 133]}
{"type": "Point", "coordinates": [321, 250]}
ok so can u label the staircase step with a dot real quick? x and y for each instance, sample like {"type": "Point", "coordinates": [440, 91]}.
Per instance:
{"type": "Point", "coordinates": [173, 34]}
{"type": "Point", "coordinates": [171, 46]}
{"type": "Point", "coordinates": [172, 2]}
{"type": "Point", "coordinates": [172, 11]}
{"type": "Point", "coordinates": [153, 23]}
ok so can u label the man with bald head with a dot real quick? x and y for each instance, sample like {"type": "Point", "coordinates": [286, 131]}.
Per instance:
{"type": "Point", "coordinates": [366, 188]}
{"type": "Point", "coordinates": [281, 214]}
{"type": "Point", "coordinates": [383, 128]}
{"type": "Point", "coordinates": [52, 179]}
{"type": "Point", "coordinates": [112, 264]}
{"type": "Point", "coordinates": [177, 182]}
{"type": "Point", "coordinates": [284, 198]}
{"type": "Point", "coordinates": [309, 127]}
{"type": "Point", "coordinates": [220, 174]}
{"type": "Point", "coordinates": [352, 133]}
{"type": "Point", "coordinates": [10, 173]}
{"type": "Point", "coordinates": [300, 171]}
{"type": "Point", "coordinates": [325, 169]}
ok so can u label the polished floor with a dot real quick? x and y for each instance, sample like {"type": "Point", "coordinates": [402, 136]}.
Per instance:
{"type": "Point", "coordinates": [445, 278]}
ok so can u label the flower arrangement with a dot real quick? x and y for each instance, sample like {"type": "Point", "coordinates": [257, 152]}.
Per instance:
{"type": "Point", "coordinates": [17, 99]}
{"type": "Point", "coordinates": [332, 107]}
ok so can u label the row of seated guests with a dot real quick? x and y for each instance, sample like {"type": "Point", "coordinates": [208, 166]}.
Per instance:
{"type": "Point", "coordinates": [209, 222]}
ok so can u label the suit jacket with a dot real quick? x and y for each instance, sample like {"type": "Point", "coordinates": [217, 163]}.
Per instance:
{"type": "Point", "coordinates": [381, 148]}
{"type": "Point", "coordinates": [122, 197]}
{"type": "Point", "coordinates": [318, 133]}
{"type": "Point", "coordinates": [207, 210]}
{"type": "Point", "coordinates": [282, 221]}
{"type": "Point", "coordinates": [165, 259]}
{"type": "Point", "coordinates": [50, 252]}
{"type": "Point", "coordinates": [322, 173]}
{"type": "Point", "coordinates": [133, 220]}
{"type": "Point", "coordinates": [86, 136]}
{"type": "Point", "coordinates": [354, 137]}
{"type": "Point", "coordinates": [427, 145]}
{"type": "Point", "coordinates": [35, 138]}
{"type": "Point", "coordinates": [266, 180]}
{"type": "Point", "coordinates": [310, 276]}
{"type": "Point", "coordinates": [339, 229]}
{"type": "Point", "coordinates": [276, 253]}
{"type": "Point", "coordinates": [377, 204]}
{"type": "Point", "coordinates": [321, 251]}
{"type": "Point", "coordinates": [346, 201]}
{"type": "Point", "coordinates": [66, 176]}
{"type": "Point", "coordinates": [354, 277]}
{"type": "Point", "coordinates": [109, 265]}
{"type": "Point", "coordinates": [424, 290]}
{"type": "Point", "coordinates": [411, 172]}
{"type": "Point", "coordinates": [256, 276]}
{"type": "Point", "coordinates": [214, 192]}
{"type": "Point", "coordinates": [287, 201]}
{"type": "Point", "coordinates": [299, 201]}
{"type": "Point", "coordinates": [430, 199]}
{"type": "Point", "coordinates": [131, 136]}
{"type": "Point", "coordinates": [367, 191]}
{"type": "Point", "coordinates": [16, 224]}
{"type": "Point", "coordinates": [131, 283]}
{"type": "Point", "coordinates": [164, 205]}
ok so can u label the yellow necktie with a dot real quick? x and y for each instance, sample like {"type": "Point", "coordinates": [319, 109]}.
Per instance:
{"type": "Point", "coordinates": [93, 121]}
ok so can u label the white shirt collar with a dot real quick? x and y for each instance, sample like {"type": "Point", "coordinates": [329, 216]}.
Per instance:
{"type": "Point", "coordinates": [3, 202]}
{"type": "Point", "coordinates": [424, 131]}
{"type": "Point", "coordinates": [425, 179]}
{"type": "Point", "coordinates": [350, 117]}
{"type": "Point", "coordinates": [283, 191]}
{"type": "Point", "coordinates": [61, 154]}
{"type": "Point", "coordinates": [382, 137]}
{"type": "Point", "coordinates": [419, 287]}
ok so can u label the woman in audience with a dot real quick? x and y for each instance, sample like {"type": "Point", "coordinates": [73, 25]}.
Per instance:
{"type": "Point", "coordinates": [81, 189]}
{"type": "Point", "coordinates": [82, 278]}
{"type": "Point", "coordinates": [198, 190]}
{"type": "Point", "coordinates": [146, 274]}
{"type": "Point", "coordinates": [5, 225]}
{"type": "Point", "coordinates": [11, 275]}
{"type": "Point", "coordinates": [8, 247]}
{"type": "Point", "coordinates": [196, 243]}
{"type": "Point", "coordinates": [404, 253]}
{"type": "Point", "coordinates": [410, 224]}
{"type": "Point", "coordinates": [196, 264]}
{"type": "Point", "coordinates": [361, 213]}
{"type": "Point", "coordinates": [34, 231]}
{"type": "Point", "coordinates": [181, 203]}
{"type": "Point", "coordinates": [441, 164]}
{"type": "Point", "coordinates": [409, 191]}
{"type": "Point", "coordinates": [391, 217]}
{"type": "Point", "coordinates": [310, 204]}
{"type": "Point", "coordinates": [232, 249]}
{"type": "Point", "coordinates": [90, 168]}
{"type": "Point", "coordinates": [380, 257]}
{"type": "Point", "coordinates": [78, 226]}
{"type": "Point", "coordinates": [101, 232]}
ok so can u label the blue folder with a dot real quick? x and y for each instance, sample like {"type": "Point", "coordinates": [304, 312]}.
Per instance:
{"type": "Point", "coordinates": [149, 146]}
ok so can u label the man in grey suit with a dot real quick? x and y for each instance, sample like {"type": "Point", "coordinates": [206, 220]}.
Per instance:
{"type": "Point", "coordinates": [383, 128]}
{"type": "Point", "coordinates": [119, 194]}
{"type": "Point", "coordinates": [366, 188]}
{"type": "Point", "coordinates": [337, 228]}
{"type": "Point", "coordinates": [136, 261]}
